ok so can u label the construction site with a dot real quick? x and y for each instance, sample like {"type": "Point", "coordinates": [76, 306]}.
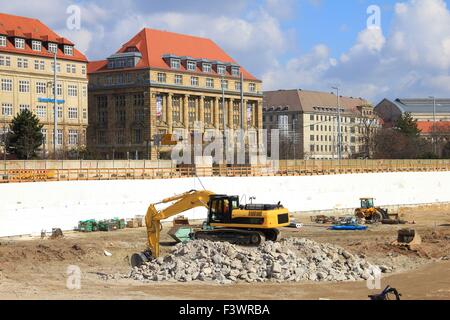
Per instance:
{"type": "Point", "coordinates": [309, 230]}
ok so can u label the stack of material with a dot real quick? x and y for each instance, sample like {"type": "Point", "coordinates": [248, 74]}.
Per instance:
{"type": "Point", "coordinates": [291, 260]}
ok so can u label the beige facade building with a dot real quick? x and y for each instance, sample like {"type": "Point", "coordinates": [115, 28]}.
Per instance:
{"type": "Point", "coordinates": [27, 49]}
{"type": "Point", "coordinates": [166, 83]}
{"type": "Point", "coordinates": [308, 126]}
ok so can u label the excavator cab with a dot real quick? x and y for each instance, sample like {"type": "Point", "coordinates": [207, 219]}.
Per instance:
{"type": "Point", "coordinates": [221, 208]}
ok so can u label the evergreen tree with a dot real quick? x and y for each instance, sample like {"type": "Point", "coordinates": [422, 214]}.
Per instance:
{"type": "Point", "coordinates": [408, 126]}
{"type": "Point", "coordinates": [25, 135]}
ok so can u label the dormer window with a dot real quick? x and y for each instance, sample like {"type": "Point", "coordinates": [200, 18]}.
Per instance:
{"type": "Point", "coordinates": [221, 69]}
{"type": "Point", "coordinates": [68, 50]}
{"type": "Point", "coordinates": [235, 71]}
{"type": "Point", "coordinates": [20, 43]}
{"type": "Point", "coordinates": [52, 47]}
{"type": "Point", "coordinates": [191, 65]}
{"type": "Point", "coordinates": [207, 67]}
{"type": "Point", "coordinates": [175, 63]}
{"type": "Point", "coordinates": [36, 45]}
{"type": "Point", "coordinates": [2, 41]}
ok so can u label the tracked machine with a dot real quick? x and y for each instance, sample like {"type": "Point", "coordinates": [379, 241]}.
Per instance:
{"type": "Point", "coordinates": [227, 221]}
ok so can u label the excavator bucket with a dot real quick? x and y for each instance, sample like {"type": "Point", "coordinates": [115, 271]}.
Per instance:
{"type": "Point", "coordinates": [408, 238]}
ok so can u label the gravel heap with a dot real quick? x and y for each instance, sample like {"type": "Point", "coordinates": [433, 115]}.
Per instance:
{"type": "Point", "coordinates": [286, 261]}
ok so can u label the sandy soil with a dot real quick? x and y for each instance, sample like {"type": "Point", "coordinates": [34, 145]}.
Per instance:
{"type": "Point", "coordinates": [33, 268]}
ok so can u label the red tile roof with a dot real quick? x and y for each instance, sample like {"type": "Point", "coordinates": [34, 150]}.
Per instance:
{"type": "Point", "coordinates": [154, 44]}
{"type": "Point", "coordinates": [427, 127]}
{"type": "Point", "coordinates": [28, 28]}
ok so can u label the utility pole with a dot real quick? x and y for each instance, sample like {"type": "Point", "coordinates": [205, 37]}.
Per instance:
{"type": "Point", "coordinates": [339, 142]}
{"type": "Point", "coordinates": [4, 141]}
{"type": "Point", "coordinates": [55, 129]}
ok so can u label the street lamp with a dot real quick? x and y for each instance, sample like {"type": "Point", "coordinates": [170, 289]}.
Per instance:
{"type": "Point", "coordinates": [339, 124]}
{"type": "Point", "coordinates": [434, 124]}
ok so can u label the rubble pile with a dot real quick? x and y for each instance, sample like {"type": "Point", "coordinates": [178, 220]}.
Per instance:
{"type": "Point", "coordinates": [290, 260]}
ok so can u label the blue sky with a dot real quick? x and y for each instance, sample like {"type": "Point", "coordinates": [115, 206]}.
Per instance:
{"type": "Point", "coordinates": [309, 44]}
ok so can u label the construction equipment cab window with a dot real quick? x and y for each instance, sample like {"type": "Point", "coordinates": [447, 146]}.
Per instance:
{"type": "Point", "coordinates": [367, 203]}
{"type": "Point", "coordinates": [221, 208]}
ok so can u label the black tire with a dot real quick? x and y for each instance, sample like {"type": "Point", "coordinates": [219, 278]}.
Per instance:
{"type": "Point", "coordinates": [377, 217]}
{"type": "Point", "coordinates": [255, 239]}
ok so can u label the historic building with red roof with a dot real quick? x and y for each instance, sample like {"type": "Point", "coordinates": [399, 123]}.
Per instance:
{"type": "Point", "coordinates": [27, 51]}
{"type": "Point", "coordinates": [167, 83]}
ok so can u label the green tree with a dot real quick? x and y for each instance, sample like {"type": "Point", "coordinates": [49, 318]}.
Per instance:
{"type": "Point", "coordinates": [25, 135]}
{"type": "Point", "coordinates": [407, 125]}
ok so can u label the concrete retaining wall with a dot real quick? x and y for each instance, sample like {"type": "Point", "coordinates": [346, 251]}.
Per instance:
{"type": "Point", "coordinates": [27, 208]}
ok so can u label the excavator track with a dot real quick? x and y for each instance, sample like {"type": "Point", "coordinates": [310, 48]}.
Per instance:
{"type": "Point", "coordinates": [233, 236]}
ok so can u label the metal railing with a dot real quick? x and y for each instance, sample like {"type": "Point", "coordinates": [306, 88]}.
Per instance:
{"type": "Point", "coordinates": [285, 168]}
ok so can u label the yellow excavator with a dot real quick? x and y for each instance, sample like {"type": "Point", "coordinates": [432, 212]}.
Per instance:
{"type": "Point", "coordinates": [227, 221]}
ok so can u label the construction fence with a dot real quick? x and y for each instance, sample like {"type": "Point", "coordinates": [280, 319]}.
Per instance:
{"type": "Point", "coordinates": [31, 171]}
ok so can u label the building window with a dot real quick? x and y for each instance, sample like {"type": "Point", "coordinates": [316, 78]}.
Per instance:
{"type": "Point", "coordinates": [224, 84]}
{"type": "Point", "coordinates": [60, 137]}
{"type": "Point", "coordinates": [175, 63]}
{"type": "Point", "coordinates": [59, 90]}
{"type": "Point", "coordinates": [208, 111]}
{"type": "Point", "coordinates": [237, 86]}
{"type": "Point", "coordinates": [60, 111]}
{"type": "Point", "coordinates": [5, 61]}
{"type": "Point", "coordinates": [178, 79]}
{"type": "Point", "coordinates": [52, 47]}
{"type": "Point", "coordinates": [24, 86]}
{"type": "Point", "coordinates": [221, 69]}
{"type": "Point", "coordinates": [7, 85]}
{"type": "Point", "coordinates": [20, 43]}
{"type": "Point", "coordinates": [68, 50]}
{"type": "Point", "coordinates": [23, 107]}
{"type": "Point", "coordinates": [139, 114]}
{"type": "Point", "coordinates": [72, 91]}
{"type": "Point", "coordinates": [207, 67]}
{"type": "Point", "coordinates": [84, 113]}
{"type": "Point", "coordinates": [120, 137]}
{"type": "Point", "coordinates": [41, 111]}
{"type": "Point", "coordinates": [73, 137]}
{"type": "Point", "coordinates": [192, 110]}
{"type": "Point", "coordinates": [7, 109]}
{"type": "Point", "coordinates": [209, 83]}
{"type": "Point", "coordinates": [191, 65]}
{"type": "Point", "coordinates": [41, 88]}
{"type": "Point", "coordinates": [22, 63]}
{"type": "Point", "coordinates": [36, 45]}
{"type": "Point", "coordinates": [139, 100]}
{"type": "Point", "coordinates": [161, 77]}
{"type": "Point", "coordinates": [83, 70]}
{"type": "Point", "coordinates": [235, 71]}
{"type": "Point", "coordinates": [73, 113]}
{"type": "Point", "coordinates": [194, 81]}
{"type": "Point", "coordinates": [137, 136]}
{"type": "Point", "coordinates": [121, 115]}
{"type": "Point", "coordinates": [2, 41]}
{"type": "Point", "coordinates": [176, 109]}
{"type": "Point", "coordinates": [311, 128]}
{"type": "Point", "coordinates": [58, 67]}
{"type": "Point", "coordinates": [237, 113]}
{"type": "Point", "coordinates": [252, 87]}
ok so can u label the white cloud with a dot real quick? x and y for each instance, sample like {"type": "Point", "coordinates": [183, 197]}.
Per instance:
{"type": "Point", "coordinates": [412, 60]}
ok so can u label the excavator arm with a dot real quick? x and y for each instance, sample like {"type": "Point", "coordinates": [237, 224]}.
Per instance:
{"type": "Point", "coordinates": [180, 203]}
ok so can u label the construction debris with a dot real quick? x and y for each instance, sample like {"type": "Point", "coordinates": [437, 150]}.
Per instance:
{"type": "Point", "coordinates": [56, 233]}
{"type": "Point", "coordinates": [291, 260]}
{"type": "Point", "coordinates": [408, 238]}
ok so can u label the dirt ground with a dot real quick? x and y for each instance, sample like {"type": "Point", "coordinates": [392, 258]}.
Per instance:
{"type": "Point", "coordinates": [32, 268]}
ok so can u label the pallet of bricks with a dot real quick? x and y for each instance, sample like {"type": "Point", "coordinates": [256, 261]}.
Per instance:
{"type": "Point", "coordinates": [136, 222]}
